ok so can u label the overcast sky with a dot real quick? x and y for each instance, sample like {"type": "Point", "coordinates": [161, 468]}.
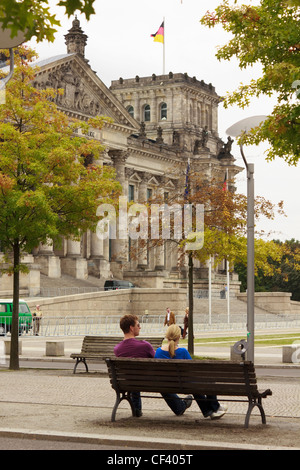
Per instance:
{"type": "Point", "coordinates": [119, 45]}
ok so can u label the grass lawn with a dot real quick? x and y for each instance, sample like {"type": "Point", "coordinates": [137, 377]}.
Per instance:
{"type": "Point", "coordinates": [260, 340]}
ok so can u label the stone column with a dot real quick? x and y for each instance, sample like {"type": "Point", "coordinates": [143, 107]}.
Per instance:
{"type": "Point", "coordinates": [160, 249]}
{"type": "Point", "coordinates": [119, 247]}
{"type": "Point", "coordinates": [74, 264]}
{"type": "Point", "coordinates": [142, 198]}
{"type": "Point", "coordinates": [153, 105]}
{"type": "Point", "coordinates": [98, 264]}
{"type": "Point", "coordinates": [74, 248]}
{"type": "Point", "coordinates": [48, 262]}
{"type": "Point", "coordinates": [136, 106]}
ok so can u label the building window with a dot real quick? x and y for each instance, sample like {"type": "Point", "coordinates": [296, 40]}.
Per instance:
{"type": "Point", "coordinates": [147, 113]}
{"type": "Point", "coordinates": [163, 111]}
{"type": "Point", "coordinates": [149, 193]}
{"type": "Point", "coordinates": [130, 109]}
{"type": "Point", "coordinates": [130, 193]}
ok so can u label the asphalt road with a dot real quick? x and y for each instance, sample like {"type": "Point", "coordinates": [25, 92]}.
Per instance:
{"type": "Point", "coordinates": [265, 371]}
{"type": "Point", "coordinates": [15, 443]}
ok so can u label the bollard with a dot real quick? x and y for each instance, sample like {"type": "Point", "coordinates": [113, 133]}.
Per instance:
{"type": "Point", "coordinates": [7, 343]}
{"type": "Point", "coordinates": [55, 348]}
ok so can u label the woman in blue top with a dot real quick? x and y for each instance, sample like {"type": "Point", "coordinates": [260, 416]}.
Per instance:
{"type": "Point", "coordinates": [209, 404]}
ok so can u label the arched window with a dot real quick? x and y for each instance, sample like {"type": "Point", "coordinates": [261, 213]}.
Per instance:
{"type": "Point", "coordinates": [163, 111]}
{"type": "Point", "coordinates": [147, 114]}
{"type": "Point", "coordinates": [130, 109]}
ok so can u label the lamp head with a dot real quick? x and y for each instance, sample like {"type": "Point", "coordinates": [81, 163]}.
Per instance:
{"type": "Point", "coordinates": [7, 42]}
{"type": "Point", "coordinates": [245, 125]}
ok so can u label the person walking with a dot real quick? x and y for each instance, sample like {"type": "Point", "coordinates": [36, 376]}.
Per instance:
{"type": "Point", "coordinates": [169, 318]}
{"type": "Point", "coordinates": [37, 317]}
{"type": "Point", "coordinates": [185, 322]}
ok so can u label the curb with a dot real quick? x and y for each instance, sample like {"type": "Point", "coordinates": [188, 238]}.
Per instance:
{"type": "Point", "coordinates": [151, 443]}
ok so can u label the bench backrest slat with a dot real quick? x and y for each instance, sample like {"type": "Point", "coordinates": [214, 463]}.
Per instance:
{"type": "Point", "coordinates": [182, 376]}
{"type": "Point", "coordinates": [105, 345]}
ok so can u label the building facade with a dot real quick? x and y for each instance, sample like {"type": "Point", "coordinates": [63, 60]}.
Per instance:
{"type": "Point", "coordinates": [158, 122]}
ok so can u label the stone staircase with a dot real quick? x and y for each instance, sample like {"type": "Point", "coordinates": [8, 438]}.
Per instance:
{"type": "Point", "coordinates": [237, 311]}
{"type": "Point", "coordinates": [68, 285]}
{"type": "Point", "coordinates": [219, 306]}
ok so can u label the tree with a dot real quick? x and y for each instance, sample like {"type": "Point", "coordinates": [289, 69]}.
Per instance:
{"type": "Point", "coordinates": [282, 260]}
{"type": "Point", "coordinates": [48, 188]}
{"type": "Point", "coordinates": [267, 34]}
{"type": "Point", "coordinates": [223, 230]}
{"type": "Point", "coordinates": [34, 17]}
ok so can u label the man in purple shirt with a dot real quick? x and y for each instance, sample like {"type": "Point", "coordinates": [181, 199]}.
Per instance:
{"type": "Point", "coordinates": [132, 347]}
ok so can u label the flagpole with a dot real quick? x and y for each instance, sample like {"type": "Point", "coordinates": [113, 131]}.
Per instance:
{"type": "Point", "coordinates": [209, 290]}
{"type": "Point", "coordinates": [228, 291]}
{"type": "Point", "coordinates": [164, 47]}
{"type": "Point", "coordinates": [227, 270]}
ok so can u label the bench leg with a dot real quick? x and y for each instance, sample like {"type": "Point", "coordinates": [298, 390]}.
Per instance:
{"type": "Point", "coordinates": [251, 405]}
{"type": "Point", "coordinates": [77, 362]}
{"type": "Point", "coordinates": [114, 411]}
{"type": "Point", "coordinates": [125, 396]}
{"type": "Point", "coordinates": [262, 411]}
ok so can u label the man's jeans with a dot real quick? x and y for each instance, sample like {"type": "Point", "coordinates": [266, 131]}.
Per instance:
{"type": "Point", "coordinates": [207, 404]}
{"type": "Point", "coordinates": [136, 400]}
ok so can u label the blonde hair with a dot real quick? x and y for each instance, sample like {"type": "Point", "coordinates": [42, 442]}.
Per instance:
{"type": "Point", "coordinates": [173, 333]}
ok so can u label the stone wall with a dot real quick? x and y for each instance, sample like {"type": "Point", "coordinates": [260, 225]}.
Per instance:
{"type": "Point", "coordinates": [137, 301]}
{"type": "Point", "coordinates": [275, 302]}
{"type": "Point", "coordinates": [118, 302]}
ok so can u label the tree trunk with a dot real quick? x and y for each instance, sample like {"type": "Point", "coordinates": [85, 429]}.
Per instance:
{"type": "Point", "coordinates": [14, 345]}
{"type": "Point", "coordinates": [191, 306]}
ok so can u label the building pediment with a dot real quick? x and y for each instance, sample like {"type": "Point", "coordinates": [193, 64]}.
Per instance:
{"type": "Point", "coordinates": [170, 185]}
{"type": "Point", "coordinates": [135, 178]}
{"type": "Point", "coordinates": [153, 181]}
{"type": "Point", "coordinates": [84, 94]}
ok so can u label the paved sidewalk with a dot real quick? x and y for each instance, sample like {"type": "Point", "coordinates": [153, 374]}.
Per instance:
{"type": "Point", "coordinates": [55, 403]}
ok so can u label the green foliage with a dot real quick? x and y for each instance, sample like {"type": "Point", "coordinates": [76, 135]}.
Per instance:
{"type": "Point", "coordinates": [34, 17]}
{"type": "Point", "coordinates": [267, 34]}
{"type": "Point", "coordinates": [46, 187]}
{"type": "Point", "coordinates": [284, 274]}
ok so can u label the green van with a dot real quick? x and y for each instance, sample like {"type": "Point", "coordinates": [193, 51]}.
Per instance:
{"type": "Point", "coordinates": [25, 316]}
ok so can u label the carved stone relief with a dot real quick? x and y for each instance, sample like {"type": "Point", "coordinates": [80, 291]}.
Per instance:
{"type": "Point", "coordinates": [76, 96]}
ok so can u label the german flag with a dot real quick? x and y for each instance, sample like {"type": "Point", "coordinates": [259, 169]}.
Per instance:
{"type": "Point", "coordinates": [159, 35]}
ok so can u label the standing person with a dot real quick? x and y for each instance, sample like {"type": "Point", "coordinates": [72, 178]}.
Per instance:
{"type": "Point", "coordinates": [37, 316]}
{"type": "Point", "coordinates": [210, 407]}
{"type": "Point", "coordinates": [169, 318]}
{"type": "Point", "coordinates": [185, 322]}
{"type": "Point", "coordinates": [132, 347]}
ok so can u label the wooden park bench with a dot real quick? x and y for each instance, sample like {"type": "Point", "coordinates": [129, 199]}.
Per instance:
{"type": "Point", "coordinates": [97, 348]}
{"type": "Point", "coordinates": [235, 380]}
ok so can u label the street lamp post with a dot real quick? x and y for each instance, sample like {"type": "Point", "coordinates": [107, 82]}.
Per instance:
{"type": "Point", "coordinates": [238, 129]}
{"type": "Point", "coordinates": [7, 42]}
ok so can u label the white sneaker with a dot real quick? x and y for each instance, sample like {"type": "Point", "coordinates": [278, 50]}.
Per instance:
{"type": "Point", "coordinates": [223, 408]}
{"type": "Point", "coordinates": [219, 413]}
